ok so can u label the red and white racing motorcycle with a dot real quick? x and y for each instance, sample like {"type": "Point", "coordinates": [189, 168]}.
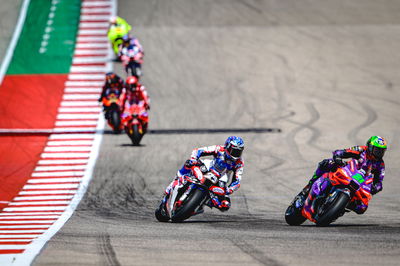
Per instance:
{"type": "Point", "coordinates": [189, 198]}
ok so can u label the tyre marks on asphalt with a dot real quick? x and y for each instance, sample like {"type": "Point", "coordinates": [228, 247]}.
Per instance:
{"type": "Point", "coordinates": [255, 253]}
{"type": "Point", "coordinates": [107, 251]}
{"type": "Point", "coordinates": [371, 117]}
{"type": "Point", "coordinates": [62, 174]}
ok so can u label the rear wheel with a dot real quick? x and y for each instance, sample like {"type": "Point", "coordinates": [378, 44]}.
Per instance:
{"type": "Point", "coordinates": [136, 136]}
{"type": "Point", "coordinates": [115, 121]}
{"type": "Point", "coordinates": [332, 209]}
{"type": "Point", "coordinates": [189, 205]}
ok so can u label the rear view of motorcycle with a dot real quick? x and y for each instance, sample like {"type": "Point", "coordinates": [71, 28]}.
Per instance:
{"type": "Point", "coordinates": [132, 59]}
{"type": "Point", "coordinates": [135, 121]}
{"type": "Point", "coordinates": [333, 194]}
{"type": "Point", "coordinates": [112, 111]}
{"type": "Point", "coordinates": [188, 198]}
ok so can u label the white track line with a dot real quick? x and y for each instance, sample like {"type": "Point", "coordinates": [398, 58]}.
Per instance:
{"type": "Point", "coordinates": [94, 32]}
{"type": "Point", "coordinates": [79, 103]}
{"type": "Point", "coordinates": [42, 192]}
{"type": "Point", "coordinates": [16, 240]}
{"type": "Point", "coordinates": [42, 197]}
{"type": "Point", "coordinates": [83, 90]}
{"type": "Point", "coordinates": [69, 142]}
{"type": "Point", "coordinates": [95, 3]}
{"type": "Point", "coordinates": [90, 60]}
{"type": "Point", "coordinates": [60, 173]}
{"type": "Point", "coordinates": [88, 69]}
{"type": "Point", "coordinates": [84, 83]}
{"type": "Point", "coordinates": [94, 17]}
{"type": "Point", "coordinates": [90, 45]}
{"type": "Point", "coordinates": [63, 167]}
{"type": "Point", "coordinates": [93, 25]}
{"type": "Point", "coordinates": [94, 10]}
{"type": "Point", "coordinates": [65, 155]}
{"type": "Point", "coordinates": [71, 136]}
{"type": "Point", "coordinates": [11, 247]}
{"type": "Point", "coordinates": [14, 40]}
{"type": "Point", "coordinates": [95, 77]}
{"type": "Point", "coordinates": [78, 116]}
{"type": "Point", "coordinates": [74, 130]}
{"type": "Point", "coordinates": [51, 186]}
{"type": "Point", "coordinates": [81, 96]}
{"type": "Point", "coordinates": [52, 202]}
{"type": "Point", "coordinates": [44, 208]}
{"type": "Point", "coordinates": [67, 148]}
{"type": "Point", "coordinates": [57, 185]}
{"type": "Point", "coordinates": [62, 162]}
{"type": "Point", "coordinates": [76, 123]}
{"type": "Point", "coordinates": [101, 53]}
{"type": "Point", "coordinates": [54, 180]}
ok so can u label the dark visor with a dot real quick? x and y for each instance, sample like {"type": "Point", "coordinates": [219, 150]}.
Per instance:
{"type": "Point", "coordinates": [235, 152]}
{"type": "Point", "coordinates": [378, 152]}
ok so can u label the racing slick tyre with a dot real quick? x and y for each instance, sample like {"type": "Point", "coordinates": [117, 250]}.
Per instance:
{"type": "Point", "coordinates": [160, 214]}
{"type": "Point", "coordinates": [332, 209]}
{"type": "Point", "coordinates": [136, 136]}
{"type": "Point", "coordinates": [115, 121]}
{"type": "Point", "coordinates": [188, 206]}
{"type": "Point", "coordinates": [293, 215]}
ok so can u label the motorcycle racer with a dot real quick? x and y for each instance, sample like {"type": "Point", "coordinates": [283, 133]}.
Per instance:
{"type": "Point", "coordinates": [130, 41]}
{"type": "Point", "coordinates": [112, 84]}
{"type": "Point", "coordinates": [227, 158]}
{"type": "Point", "coordinates": [118, 27]}
{"type": "Point", "coordinates": [136, 93]}
{"type": "Point", "coordinates": [370, 159]}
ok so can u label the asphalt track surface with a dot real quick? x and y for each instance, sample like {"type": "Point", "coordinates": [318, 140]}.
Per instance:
{"type": "Point", "coordinates": [325, 73]}
{"type": "Point", "coordinates": [9, 11]}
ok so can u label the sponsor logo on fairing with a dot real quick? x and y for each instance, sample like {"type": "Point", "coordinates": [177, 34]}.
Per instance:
{"type": "Point", "coordinates": [218, 190]}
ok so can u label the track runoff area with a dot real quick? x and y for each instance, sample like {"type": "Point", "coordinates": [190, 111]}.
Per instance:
{"type": "Point", "coordinates": [51, 125]}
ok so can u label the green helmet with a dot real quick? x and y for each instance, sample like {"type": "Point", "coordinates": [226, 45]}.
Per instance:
{"type": "Point", "coordinates": [376, 147]}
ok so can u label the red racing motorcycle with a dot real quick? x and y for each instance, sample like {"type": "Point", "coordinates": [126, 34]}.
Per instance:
{"type": "Point", "coordinates": [135, 123]}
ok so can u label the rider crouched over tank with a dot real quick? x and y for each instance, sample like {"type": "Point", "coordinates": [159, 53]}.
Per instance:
{"type": "Point", "coordinates": [339, 186]}
{"type": "Point", "coordinates": [225, 168]}
{"type": "Point", "coordinates": [370, 158]}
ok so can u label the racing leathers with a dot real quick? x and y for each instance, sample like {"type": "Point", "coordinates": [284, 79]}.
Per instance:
{"type": "Point", "coordinates": [223, 164]}
{"type": "Point", "coordinates": [136, 96]}
{"type": "Point", "coordinates": [115, 86]}
{"type": "Point", "coordinates": [368, 165]}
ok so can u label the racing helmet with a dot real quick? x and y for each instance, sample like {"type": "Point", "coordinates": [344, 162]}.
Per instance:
{"type": "Point", "coordinates": [132, 83]}
{"type": "Point", "coordinates": [234, 147]}
{"type": "Point", "coordinates": [376, 147]}
{"type": "Point", "coordinates": [111, 78]}
{"type": "Point", "coordinates": [113, 20]}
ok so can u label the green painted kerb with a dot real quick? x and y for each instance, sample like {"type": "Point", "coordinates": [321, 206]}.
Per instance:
{"type": "Point", "coordinates": [47, 40]}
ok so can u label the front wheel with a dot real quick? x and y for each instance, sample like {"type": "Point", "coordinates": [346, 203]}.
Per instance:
{"type": "Point", "coordinates": [160, 213]}
{"type": "Point", "coordinates": [189, 205]}
{"type": "Point", "coordinates": [293, 215]}
{"type": "Point", "coordinates": [332, 208]}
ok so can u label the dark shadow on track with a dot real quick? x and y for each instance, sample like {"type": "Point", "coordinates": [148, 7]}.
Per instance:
{"type": "Point", "coordinates": [214, 130]}
{"type": "Point", "coordinates": [131, 145]}
{"type": "Point", "coordinates": [47, 132]}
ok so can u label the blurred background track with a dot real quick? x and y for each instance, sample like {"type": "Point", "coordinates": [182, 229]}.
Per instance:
{"type": "Point", "coordinates": [325, 73]}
